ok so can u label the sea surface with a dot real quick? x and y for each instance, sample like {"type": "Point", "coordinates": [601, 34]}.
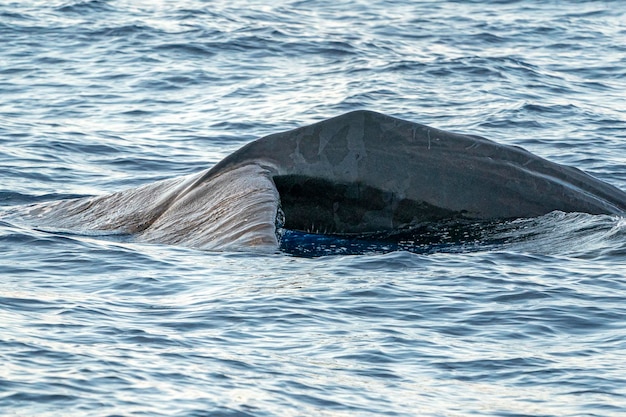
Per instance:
{"type": "Point", "coordinates": [100, 96]}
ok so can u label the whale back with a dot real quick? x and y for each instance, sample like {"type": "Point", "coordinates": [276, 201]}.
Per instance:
{"type": "Point", "coordinates": [365, 171]}
{"type": "Point", "coordinates": [362, 172]}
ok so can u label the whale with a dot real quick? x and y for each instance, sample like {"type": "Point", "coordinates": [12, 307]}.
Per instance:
{"type": "Point", "coordinates": [357, 173]}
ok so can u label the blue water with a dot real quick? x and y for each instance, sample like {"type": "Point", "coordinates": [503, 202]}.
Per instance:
{"type": "Point", "coordinates": [98, 96]}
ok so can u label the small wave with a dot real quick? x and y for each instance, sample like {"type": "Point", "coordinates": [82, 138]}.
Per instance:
{"type": "Point", "coordinates": [576, 235]}
{"type": "Point", "coordinates": [124, 31]}
{"type": "Point", "coordinates": [190, 48]}
{"type": "Point", "coordinates": [85, 6]}
{"type": "Point", "coordinates": [14, 198]}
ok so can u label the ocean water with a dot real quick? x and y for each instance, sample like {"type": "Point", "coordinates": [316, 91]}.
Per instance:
{"type": "Point", "coordinates": [99, 96]}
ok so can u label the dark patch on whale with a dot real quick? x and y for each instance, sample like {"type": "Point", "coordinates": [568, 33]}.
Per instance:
{"type": "Point", "coordinates": [325, 207]}
{"type": "Point", "coordinates": [359, 173]}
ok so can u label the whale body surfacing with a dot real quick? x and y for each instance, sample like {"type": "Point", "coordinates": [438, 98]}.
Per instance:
{"type": "Point", "coordinates": [358, 173]}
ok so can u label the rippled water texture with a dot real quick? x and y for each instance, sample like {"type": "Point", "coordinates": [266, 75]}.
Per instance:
{"type": "Point", "coordinates": [98, 96]}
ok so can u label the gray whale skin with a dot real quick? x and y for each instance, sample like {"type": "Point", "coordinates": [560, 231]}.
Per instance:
{"type": "Point", "coordinates": [356, 173]}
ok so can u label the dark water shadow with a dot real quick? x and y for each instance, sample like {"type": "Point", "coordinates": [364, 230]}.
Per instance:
{"type": "Point", "coordinates": [577, 235]}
